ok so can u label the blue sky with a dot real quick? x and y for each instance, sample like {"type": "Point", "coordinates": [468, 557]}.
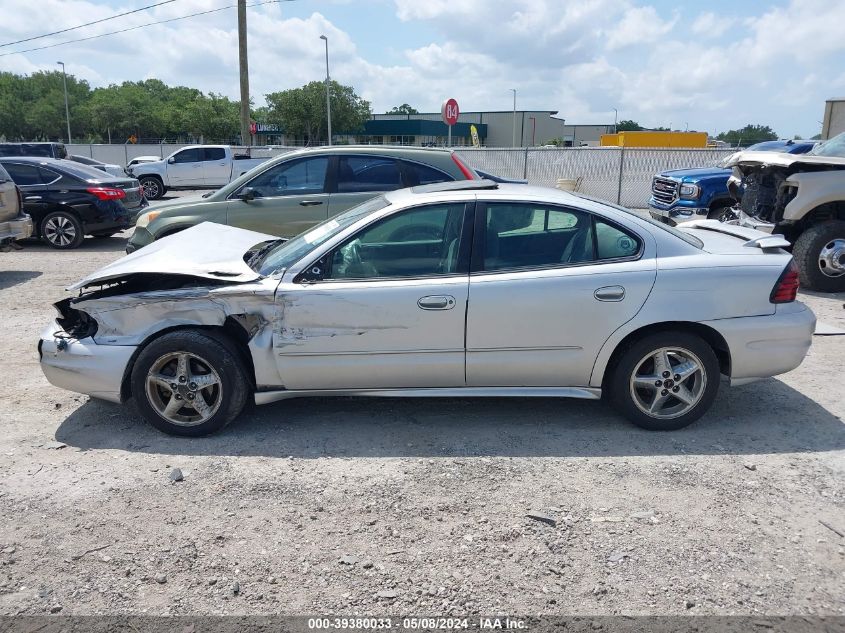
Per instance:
{"type": "Point", "coordinates": [710, 66]}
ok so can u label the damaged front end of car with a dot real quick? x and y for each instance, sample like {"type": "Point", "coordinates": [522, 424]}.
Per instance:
{"type": "Point", "coordinates": [91, 345]}
{"type": "Point", "coordinates": [781, 193]}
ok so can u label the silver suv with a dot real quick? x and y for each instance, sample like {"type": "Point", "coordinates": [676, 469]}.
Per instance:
{"type": "Point", "coordinates": [14, 223]}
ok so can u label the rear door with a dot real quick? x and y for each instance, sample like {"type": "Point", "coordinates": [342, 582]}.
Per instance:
{"type": "Point", "coordinates": [549, 285]}
{"type": "Point", "coordinates": [34, 190]}
{"type": "Point", "coordinates": [186, 168]}
{"type": "Point", "coordinates": [359, 177]}
{"type": "Point", "coordinates": [290, 197]}
{"type": "Point", "coordinates": [216, 170]}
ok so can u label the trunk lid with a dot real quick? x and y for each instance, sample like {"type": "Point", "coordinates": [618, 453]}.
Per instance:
{"type": "Point", "coordinates": [207, 250]}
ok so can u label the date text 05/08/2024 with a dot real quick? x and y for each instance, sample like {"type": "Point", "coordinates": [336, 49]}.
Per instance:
{"type": "Point", "coordinates": [423, 623]}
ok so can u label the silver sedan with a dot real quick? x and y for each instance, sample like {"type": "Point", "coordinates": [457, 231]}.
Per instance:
{"type": "Point", "coordinates": [460, 289]}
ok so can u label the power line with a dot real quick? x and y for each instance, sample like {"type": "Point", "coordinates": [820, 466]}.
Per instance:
{"type": "Point", "coordinates": [140, 26]}
{"type": "Point", "coordinates": [73, 28]}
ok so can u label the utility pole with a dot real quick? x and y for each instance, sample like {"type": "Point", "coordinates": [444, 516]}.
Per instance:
{"type": "Point", "coordinates": [244, 68]}
{"type": "Point", "coordinates": [513, 144]}
{"type": "Point", "coordinates": [328, 93]}
{"type": "Point", "coordinates": [615, 116]}
{"type": "Point", "coordinates": [67, 110]}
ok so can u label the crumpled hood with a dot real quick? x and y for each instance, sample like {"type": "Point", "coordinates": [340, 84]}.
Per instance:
{"type": "Point", "coordinates": [781, 159]}
{"type": "Point", "coordinates": [207, 250]}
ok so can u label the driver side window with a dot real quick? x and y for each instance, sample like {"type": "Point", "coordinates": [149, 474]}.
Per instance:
{"type": "Point", "coordinates": [417, 242]}
{"type": "Point", "coordinates": [301, 177]}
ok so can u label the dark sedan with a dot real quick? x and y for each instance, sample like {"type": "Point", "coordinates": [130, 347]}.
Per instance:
{"type": "Point", "coordinates": [68, 201]}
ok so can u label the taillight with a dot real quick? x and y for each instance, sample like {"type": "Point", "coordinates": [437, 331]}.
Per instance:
{"type": "Point", "coordinates": [787, 285]}
{"type": "Point", "coordinates": [107, 193]}
{"type": "Point", "coordinates": [466, 171]}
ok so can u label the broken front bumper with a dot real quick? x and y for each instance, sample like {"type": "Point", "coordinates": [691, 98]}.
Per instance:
{"type": "Point", "coordinates": [18, 229]}
{"type": "Point", "coordinates": [83, 366]}
{"type": "Point", "coordinates": [753, 223]}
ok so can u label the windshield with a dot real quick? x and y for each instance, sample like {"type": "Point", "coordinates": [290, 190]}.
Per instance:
{"type": "Point", "coordinates": [689, 239]}
{"type": "Point", "coordinates": [283, 255]}
{"type": "Point", "coordinates": [833, 147]}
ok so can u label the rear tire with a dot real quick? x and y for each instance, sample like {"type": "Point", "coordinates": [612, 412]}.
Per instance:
{"type": "Point", "coordinates": [820, 254]}
{"type": "Point", "coordinates": [153, 187]}
{"type": "Point", "coordinates": [189, 383]}
{"type": "Point", "coordinates": [62, 230]}
{"type": "Point", "coordinates": [665, 398]}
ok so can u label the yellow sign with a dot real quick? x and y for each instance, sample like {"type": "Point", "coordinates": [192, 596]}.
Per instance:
{"type": "Point", "coordinates": [473, 131]}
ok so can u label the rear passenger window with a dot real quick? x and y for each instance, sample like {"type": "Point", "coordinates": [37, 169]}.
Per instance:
{"type": "Point", "coordinates": [613, 242]}
{"type": "Point", "coordinates": [214, 153]}
{"type": "Point", "coordinates": [424, 175]}
{"type": "Point", "coordinates": [357, 174]}
{"type": "Point", "coordinates": [23, 174]}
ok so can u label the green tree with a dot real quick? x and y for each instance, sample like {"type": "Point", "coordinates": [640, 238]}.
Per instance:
{"type": "Point", "coordinates": [403, 109]}
{"type": "Point", "coordinates": [816, 137]}
{"type": "Point", "coordinates": [626, 125]}
{"type": "Point", "coordinates": [301, 112]}
{"type": "Point", "coordinates": [748, 135]}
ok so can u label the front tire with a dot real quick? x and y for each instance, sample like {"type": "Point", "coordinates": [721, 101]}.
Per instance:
{"type": "Point", "coordinates": [189, 383]}
{"type": "Point", "coordinates": [153, 187]}
{"type": "Point", "coordinates": [820, 254]}
{"type": "Point", "coordinates": [62, 230]}
{"type": "Point", "coordinates": [665, 381]}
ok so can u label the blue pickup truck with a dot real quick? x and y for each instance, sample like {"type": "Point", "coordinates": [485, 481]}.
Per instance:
{"type": "Point", "coordinates": [681, 195]}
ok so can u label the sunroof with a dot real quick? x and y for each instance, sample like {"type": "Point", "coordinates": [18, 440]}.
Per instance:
{"type": "Point", "coordinates": [457, 185]}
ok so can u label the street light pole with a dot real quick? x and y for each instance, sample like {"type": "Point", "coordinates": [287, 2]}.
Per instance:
{"type": "Point", "coordinates": [615, 116]}
{"type": "Point", "coordinates": [514, 117]}
{"type": "Point", "coordinates": [67, 110]}
{"type": "Point", "coordinates": [328, 99]}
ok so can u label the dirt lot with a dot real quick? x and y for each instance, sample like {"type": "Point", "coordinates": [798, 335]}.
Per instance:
{"type": "Point", "coordinates": [414, 506]}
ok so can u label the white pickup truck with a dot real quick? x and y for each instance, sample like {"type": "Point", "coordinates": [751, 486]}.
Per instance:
{"type": "Point", "coordinates": [192, 167]}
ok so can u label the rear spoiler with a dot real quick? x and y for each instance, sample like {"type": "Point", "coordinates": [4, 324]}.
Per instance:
{"type": "Point", "coordinates": [755, 238]}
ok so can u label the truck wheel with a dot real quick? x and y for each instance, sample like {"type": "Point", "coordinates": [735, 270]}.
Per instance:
{"type": "Point", "coordinates": [153, 187]}
{"type": "Point", "coordinates": [820, 254]}
{"type": "Point", "coordinates": [723, 214]}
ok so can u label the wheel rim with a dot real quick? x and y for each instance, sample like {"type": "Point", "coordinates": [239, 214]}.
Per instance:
{"type": "Point", "coordinates": [832, 258]}
{"type": "Point", "coordinates": [183, 388]}
{"type": "Point", "coordinates": [150, 188]}
{"type": "Point", "coordinates": [668, 382]}
{"type": "Point", "coordinates": [60, 230]}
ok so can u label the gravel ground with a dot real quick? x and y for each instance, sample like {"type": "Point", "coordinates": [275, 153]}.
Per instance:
{"type": "Point", "coordinates": [414, 506]}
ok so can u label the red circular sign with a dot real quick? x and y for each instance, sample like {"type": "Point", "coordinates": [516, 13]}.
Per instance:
{"type": "Point", "coordinates": [450, 112]}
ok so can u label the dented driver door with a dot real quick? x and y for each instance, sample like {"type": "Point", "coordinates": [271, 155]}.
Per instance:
{"type": "Point", "coordinates": [388, 311]}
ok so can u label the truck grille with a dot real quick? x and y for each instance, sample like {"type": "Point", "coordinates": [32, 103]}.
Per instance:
{"type": "Point", "coordinates": [664, 190]}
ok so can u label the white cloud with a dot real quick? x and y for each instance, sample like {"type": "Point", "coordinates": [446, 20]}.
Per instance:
{"type": "Point", "coordinates": [712, 25]}
{"type": "Point", "coordinates": [639, 25]}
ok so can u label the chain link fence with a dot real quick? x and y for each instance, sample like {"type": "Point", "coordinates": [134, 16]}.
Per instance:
{"type": "Point", "coordinates": [615, 174]}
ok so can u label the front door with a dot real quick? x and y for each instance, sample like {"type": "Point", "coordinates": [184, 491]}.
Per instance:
{"type": "Point", "coordinates": [289, 198]}
{"type": "Point", "coordinates": [550, 287]}
{"type": "Point", "coordinates": [385, 310]}
{"type": "Point", "coordinates": [186, 169]}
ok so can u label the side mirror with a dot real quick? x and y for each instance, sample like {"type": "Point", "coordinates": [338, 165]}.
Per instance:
{"type": "Point", "coordinates": [171, 160]}
{"type": "Point", "coordinates": [247, 194]}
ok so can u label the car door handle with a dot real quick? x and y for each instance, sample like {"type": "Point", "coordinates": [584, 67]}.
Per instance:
{"type": "Point", "coordinates": [310, 203]}
{"type": "Point", "coordinates": [436, 302]}
{"type": "Point", "coordinates": [610, 293]}
{"type": "Point", "coordinates": [32, 198]}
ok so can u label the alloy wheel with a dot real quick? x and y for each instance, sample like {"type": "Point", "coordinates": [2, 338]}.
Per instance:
{"type": "Point", "coordinates": [184, 388]}
{"type": "Point", "coordinates": [60, 231]}
{"type": "Point", "coordinates": [668, 382]}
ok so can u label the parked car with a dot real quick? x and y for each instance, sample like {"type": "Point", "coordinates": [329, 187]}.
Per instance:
{"type": "Point", "coordinates": [109, 168]}
{"type": "Point", "coordinates": [14, 223]}
{"type": "Point", "coordinates": [293, 192]}
{"type": "Point", "coordinates": [192, 167]}
{"type": "Point", "coordinates": [43, 150]}
{"type": "Point", "coordinates": [518, 291]}
{"type": "Point", "coordinates": [68, 201]}
{"type": "Point", "coordinates": [682, 195]}
{"type": "Point", "coordinates": [802, 198]}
